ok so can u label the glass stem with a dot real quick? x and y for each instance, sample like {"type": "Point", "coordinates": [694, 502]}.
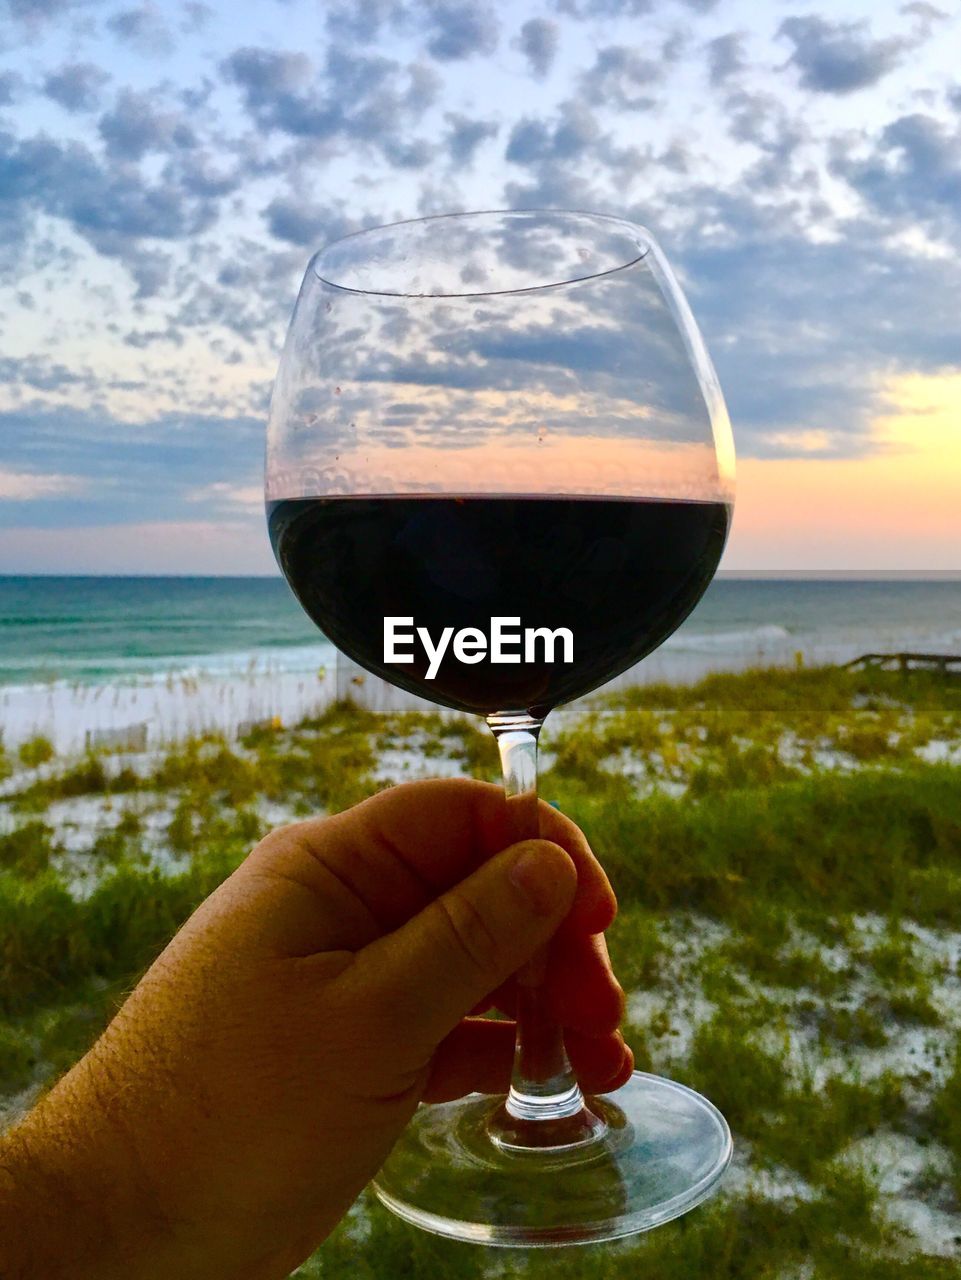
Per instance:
{"type": "Point", "coordinates": [545, 1106]}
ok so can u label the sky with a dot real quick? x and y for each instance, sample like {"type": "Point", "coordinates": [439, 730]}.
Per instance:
{"type": "Point", "coordinates": [167, 169]}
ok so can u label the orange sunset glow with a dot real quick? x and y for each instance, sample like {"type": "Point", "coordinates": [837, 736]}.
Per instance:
{"type": "Point", "coordinates": [899, 507]}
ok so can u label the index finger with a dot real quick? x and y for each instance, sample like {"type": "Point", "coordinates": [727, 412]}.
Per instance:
{"type": "Point", "coordinates": [595, 905]}
{"type": "Point", "coordinates": [401, 848]}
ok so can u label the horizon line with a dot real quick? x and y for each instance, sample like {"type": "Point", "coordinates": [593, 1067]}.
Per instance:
{"type": "Point", "coordinates": [821, 575]}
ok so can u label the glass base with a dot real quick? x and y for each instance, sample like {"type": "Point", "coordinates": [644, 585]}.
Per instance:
{"type": "Point", "coordinates": [661, 1151]}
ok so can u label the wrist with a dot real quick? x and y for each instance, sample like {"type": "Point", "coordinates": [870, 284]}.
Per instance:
{"type": "Point", "coordinates": [72, 1201]}
{"type": "Point", "coordinates": [78, 1202]}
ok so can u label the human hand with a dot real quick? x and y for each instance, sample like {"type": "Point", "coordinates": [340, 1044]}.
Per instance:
{"type": "Point", "coordinates": [258, 1075]}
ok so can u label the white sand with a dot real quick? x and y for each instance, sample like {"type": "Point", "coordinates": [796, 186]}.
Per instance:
{"type": "Point", "coordinates": [921, 1056]}
{"type": "Point", "coordinates": [163, 709]}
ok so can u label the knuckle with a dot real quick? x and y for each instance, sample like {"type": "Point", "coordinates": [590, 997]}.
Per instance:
{"type": "Point", "coordinates": [280, 840]}
{"type": "Point", "coordinates": [469, 931]}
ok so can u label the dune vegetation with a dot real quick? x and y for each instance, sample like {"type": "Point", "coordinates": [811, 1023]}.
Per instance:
{"type": "Point", "coordinates": [786, 848]}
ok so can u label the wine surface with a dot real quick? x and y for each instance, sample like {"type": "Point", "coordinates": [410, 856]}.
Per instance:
{"type": "Point", "coordinates": [620, 574]}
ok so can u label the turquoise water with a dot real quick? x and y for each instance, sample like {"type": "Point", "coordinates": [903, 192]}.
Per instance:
{"type": "Point", "coordinates": [107, 630]}
{"type": "Point", "coordinates": [101, 629]}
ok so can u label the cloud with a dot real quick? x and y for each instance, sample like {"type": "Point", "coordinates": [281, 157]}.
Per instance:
{"type": "Point", "coordinates": [35, 12]}
{"type": "Point", "coordinates": [76, 86]}
{"type": "Point", "coordinates": [299, 222]}
{"type": "Point", "coordinates": [192, 172]}
{"type": "Point", "coordinates": [112, 206]}
{"type": "Point", "coordinates": [839, 57]}
{"type": "Point", "coordinates": [928, 16]}
{"type": "Point", "coordinates": [799, 330]}
{"type": "Point", "coordinates": [538, 42]}
{"type": "Point", "coordinates": [559, 186]}
{"type": "Point", "coordinates": [223, 494]}
{"type": "Point", "coordinates": [604, 8]}
{"type": "Point", "coordinates": [27, 486]}
{"type": "Point", "coordinates": [762, 120]}
{"type": "Point", "coordinates": [197, 16]}
{"type": "Point", "coordinates": [124, 470]}
{"type": "Point", "coordinates": [37, 371]}
{"type": "Point", "coordinates": [458, 29]}
{"type": "Point", "coordinates": [622, 77]}
{"type": "Point", "coordinates": [464, 136]}
{"type": "Point", "coordinates": [354, 98]}
{"type": "Point", "coordinates": [11, 83]}
{"type": "Point", "coordinates": [363, 23]}
{"type": "Point", "coordinates": [135, 127]}
{"type": "Point", "coordinates": [143, 29]}
{"type": "Point", "coordinates": [149, 268]}
{"type": "Point", "coordinates": [249, 293]}
{"type": "Point", "coordinates": [409, 155]}
{"type": "Point", "coordinates": [911, 173]}
{"type": "Point", "coordinates": [573, 163]}
{"type": "Point", "coordinates": [532, 141]}
{"type": "Point", "coordinates": [725, 57]}
{"type": "Point", "coordinates": [274, 91]}
{"type": "Point", "coordinates": [356, 76]}
{"type": "Point", "coordinates": [143, 338]}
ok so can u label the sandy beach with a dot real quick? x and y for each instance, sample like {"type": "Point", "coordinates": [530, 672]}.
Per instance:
{"type": "Point", "coordinates": [783, 835]}
{"type": "Point", "coordinates": [784, 845]}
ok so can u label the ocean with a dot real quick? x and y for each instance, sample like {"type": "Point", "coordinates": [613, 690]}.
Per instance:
{"type": "Point", "coordinates": [93, 630]}
{"type": "Point", "coordinates": [81, 656]}
{"type": "Point", "coordinates": [108, 630]}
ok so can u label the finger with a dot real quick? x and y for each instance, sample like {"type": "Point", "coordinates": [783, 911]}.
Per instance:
{"type": "Point", "coordinates": [478, 1057]}
{"type": "Point", "coordinates": [627, 1070]}
{"type": "Point", "coordinates": [582, 991]}
{"type": "Point", "coordinates": [389, 856]}
{"type": "Point", "coordinates": [595, 906]}
{"type": "Point", "coordinates": [600, 1063]}
{"type": "Point", "coordinates": [503, 1000]}
{"type": "Point", "coordinates": [396, 851]}
{"type": "Point", "coordinates": [417, 983]}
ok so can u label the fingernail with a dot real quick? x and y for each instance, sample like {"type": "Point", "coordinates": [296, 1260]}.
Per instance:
{"type": "Point", "coordinates": [533, 875]}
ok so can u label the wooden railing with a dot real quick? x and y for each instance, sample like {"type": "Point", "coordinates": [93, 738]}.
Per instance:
{"type": "Point", "coordinates": [945, 663]}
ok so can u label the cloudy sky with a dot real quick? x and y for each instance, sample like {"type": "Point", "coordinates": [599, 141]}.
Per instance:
{"type": "Point", "coordinates": [167, 168]}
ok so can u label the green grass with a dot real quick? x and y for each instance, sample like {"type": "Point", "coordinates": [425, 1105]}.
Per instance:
{"type": "Point", "coordinates": [752, 1239]}
{"type": "Point", "coordinates": [27, 849]}
{"type": "Point", "coordinates": [87, 777]}
{"type": "Point", "coordinates": [644, 952]}
{"type": "Point", "coordinates": [774, 839]}
{"type": "Point", "coordinates": [51, 942]}
{"type": "Point", "coordinates": [945, 1116]}
{"type": "Point", "coordinates": [37, 1046]}
{"type": "Point", "coordinates": [35, 751]}
{"type": "Point", "coordinates": [874, 841]}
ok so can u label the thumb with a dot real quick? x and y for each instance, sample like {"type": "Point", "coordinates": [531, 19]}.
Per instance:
{"type": "Point", "coordinates": [423, 978]}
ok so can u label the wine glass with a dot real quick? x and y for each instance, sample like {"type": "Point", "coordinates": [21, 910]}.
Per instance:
{"type": "Point", "coordinates": [503, 428]}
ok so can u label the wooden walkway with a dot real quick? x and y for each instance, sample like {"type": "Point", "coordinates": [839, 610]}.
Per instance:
{"type": "Point", "coordinates": [945, 663]}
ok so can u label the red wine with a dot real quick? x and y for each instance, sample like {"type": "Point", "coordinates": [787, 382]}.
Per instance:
{"type": "Point", "coordinates": [619, 574]}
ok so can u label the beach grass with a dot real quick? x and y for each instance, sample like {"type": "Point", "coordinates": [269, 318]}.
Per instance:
{"type": "Point", "coordinates": [786, 848]}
